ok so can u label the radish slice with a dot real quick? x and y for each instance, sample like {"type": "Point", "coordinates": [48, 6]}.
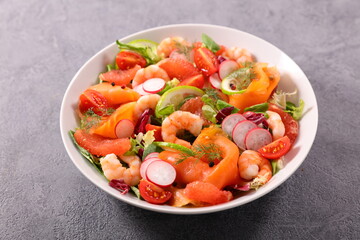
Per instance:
{"type": "Point", "coordinates": [240, 131]}
{"type": "Point", "coordinates": [161, 173]}
{"type": "Point", "coordinates": [154, 85]}
{"type": "Point", "coordinates": [215, 81]}
{"type": "Point", "coordinates": [151, 155]}
{"type": "Point", "coordinates": [227, 67]}
{"type": "Point", "coordinates": [124, 128]}
{"type": "Point", "coordinates": [230, 121]}
{"type": "Point", "coordinates": [257, 138]}
{"type": "Point", "coordinates": [145, 164]}
{"type": "Point", "coordinates": [139, 89]}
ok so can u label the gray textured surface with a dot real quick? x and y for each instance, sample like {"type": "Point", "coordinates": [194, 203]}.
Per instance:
{"type": "Point", "coordinates": [43, 195]}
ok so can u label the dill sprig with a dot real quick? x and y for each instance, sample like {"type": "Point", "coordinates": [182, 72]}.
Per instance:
{"type": "Point", "coordinates": [209, 152]}
{"type": "Point", "coordinates": [183, 49]}
{"type": "Point", "coordinates": [91, 119]}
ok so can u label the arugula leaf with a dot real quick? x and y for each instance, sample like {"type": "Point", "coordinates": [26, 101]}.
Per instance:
{"type": "Point", "coordinates": [86, 154]}
{"type": "Point", "coordinates": [279, 98]}
{"type": "Point", "coordinates": [209, 43]}
{"type": "Point", "coordinates": [147, 52]}
{"type": "Point", "coordinates": [295, 112]}
{"type": "Point", "coordinates": [260, 108]}
{"type": "Point", "coordinates": [150, 149]}
{"type": "Point", "coordinates": [220, 104]}
{"type": "Point", "coordinates": [136, 191]}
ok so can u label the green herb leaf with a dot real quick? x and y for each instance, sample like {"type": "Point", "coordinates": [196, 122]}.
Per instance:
{"type": "Point", "coordinates": [220, 104]}
{"type": "Point", "coordinates": [210, 43]}
{"type": "Point", "coordinates": [136, 191]}
{"type": "Point", "coordinates": [296, 112]}
{"type": "Point", "coordinates": [150, 149]}
{"type": "Point", "coordinates": [175, 146]}
{"type": "Point", "coordinates": [209, 113]}
{"type": "Point", "coordinates": [147, 52]}
{"type": "Point", "coordinates": [86, 154]}
{"type": "Point", "coordinates": [259, 108]}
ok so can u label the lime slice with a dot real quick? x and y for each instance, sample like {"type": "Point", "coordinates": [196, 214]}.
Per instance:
{"type": "Point", "coordinates": [144, 43]}
{"type": "Point", "coordinates": [174, 98]}
{"type": "Point", "coordinates": [236, 82]}
{"type": "Point", "coordinates": [175, 147]}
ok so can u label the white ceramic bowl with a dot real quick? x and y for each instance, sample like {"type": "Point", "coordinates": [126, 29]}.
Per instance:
{"type": "Point", "coordinates": [291, 77]}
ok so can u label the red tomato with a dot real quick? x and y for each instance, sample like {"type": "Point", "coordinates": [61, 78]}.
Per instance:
{"type": "Point", "coordinates": [178, 68]}
{"type": "Point", "coordinates": [128, 59]}
{"type": "Point", "coordinates": [206, 61]}
{"type": "Point", "coordinates": [195, 81]}
{"type": "Point", "coordinates": [91, 99]}
{"type": "Point", "coordinates": [291, 125]}
{"type": "Point", "coordinates": [276, 149]}
{"type": "Point", "coordinates": [157, 132]}
{"type": "Point", "coordinates": [152, 193]}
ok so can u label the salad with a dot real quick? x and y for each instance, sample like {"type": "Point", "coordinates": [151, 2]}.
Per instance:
{"type": "Point", "coordinates": [187, 124]}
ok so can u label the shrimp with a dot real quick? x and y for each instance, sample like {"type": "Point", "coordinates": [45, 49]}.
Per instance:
{"type": "Point", "coordinates": [168, 45]}
{"type": "Point", "coordinates": [113, 169]}
{"type": "Point", "coordinates": [145, 102]}
{"type": "Point", "coordinates": [180, 120]}
{"type": "Point", "coordinates": [152, 71]}
{"type": "Point", "coordinates": [240, 55]}
{"type": "Point", "coordinates": [252, 166]}
{"type": "Point", "coordinates": [276, 125]}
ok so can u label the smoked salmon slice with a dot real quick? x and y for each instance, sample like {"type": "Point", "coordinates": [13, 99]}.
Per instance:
{"type": "Point", "coordinates": [116, 95]}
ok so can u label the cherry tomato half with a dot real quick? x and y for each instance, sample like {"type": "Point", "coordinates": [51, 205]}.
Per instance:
{"type": "Point", "coordinates": [152, 193]}
{"type": "Point", "coordinates": [127, 59]}
{"type": "Point", "coordinates": [195, 81]}
{"type": "Point", "coordinates": [91, 99]}
{"type": "Point", "coordinates": [206, 61]}
{"type": "Point", "coordinates": [276, 149]}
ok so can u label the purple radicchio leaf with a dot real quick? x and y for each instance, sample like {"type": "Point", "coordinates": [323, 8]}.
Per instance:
{"type": "Point", "coordinates": [223, 113]}
{"type": "Point", "coordinates": [120, 185]}
{"type": "Point", "coordinates": [143, 120]}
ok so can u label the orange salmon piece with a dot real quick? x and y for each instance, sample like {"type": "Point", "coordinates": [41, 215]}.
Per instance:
{"type": "Point", "coordinates": [187, 171]}
{"type": "Point", "coordinates": [100, 146]}
{"type": "Point", "coordinates": [259, 90]}
{"type": "Point", "coordinates": [192, 169]}
{"type": "Point", "coordinates": [107, 127]}
{"type": "Point", "coordinates": [207, 193]}
{"type": "Point", "coordinates": [116, 95]}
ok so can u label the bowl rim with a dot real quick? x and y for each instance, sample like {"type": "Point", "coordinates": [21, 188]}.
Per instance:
{"type": "Point", "coordinates": [169, 209]}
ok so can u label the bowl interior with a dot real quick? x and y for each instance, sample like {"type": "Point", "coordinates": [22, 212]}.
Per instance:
{"type": "Point", "coordinates": [292, 77]}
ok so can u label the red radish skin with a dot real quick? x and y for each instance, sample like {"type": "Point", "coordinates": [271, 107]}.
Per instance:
{"type": "Point", "coordinates": [139, 89]}
{"type": "Point", "coordinates": [161, 173]}
{"type": "Point", "coordinates": [230, 121]}
{"type": "Point", "coordinates": [124, 128]}
{"type": "Point", "coordinates": [227, 67]}
{"type": "Point", "coordinates": [145, 164]}
{"type": "Point", "coordinates": [151, 155]}
{"type": "Point", "coordinates": [153, 85]}
{"type": "Point", "coordinates": [257, 138]}
{"type": "Point", "coordinates": [240, 131]}
{"type": "Point", "coordinates": [215, 81]}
